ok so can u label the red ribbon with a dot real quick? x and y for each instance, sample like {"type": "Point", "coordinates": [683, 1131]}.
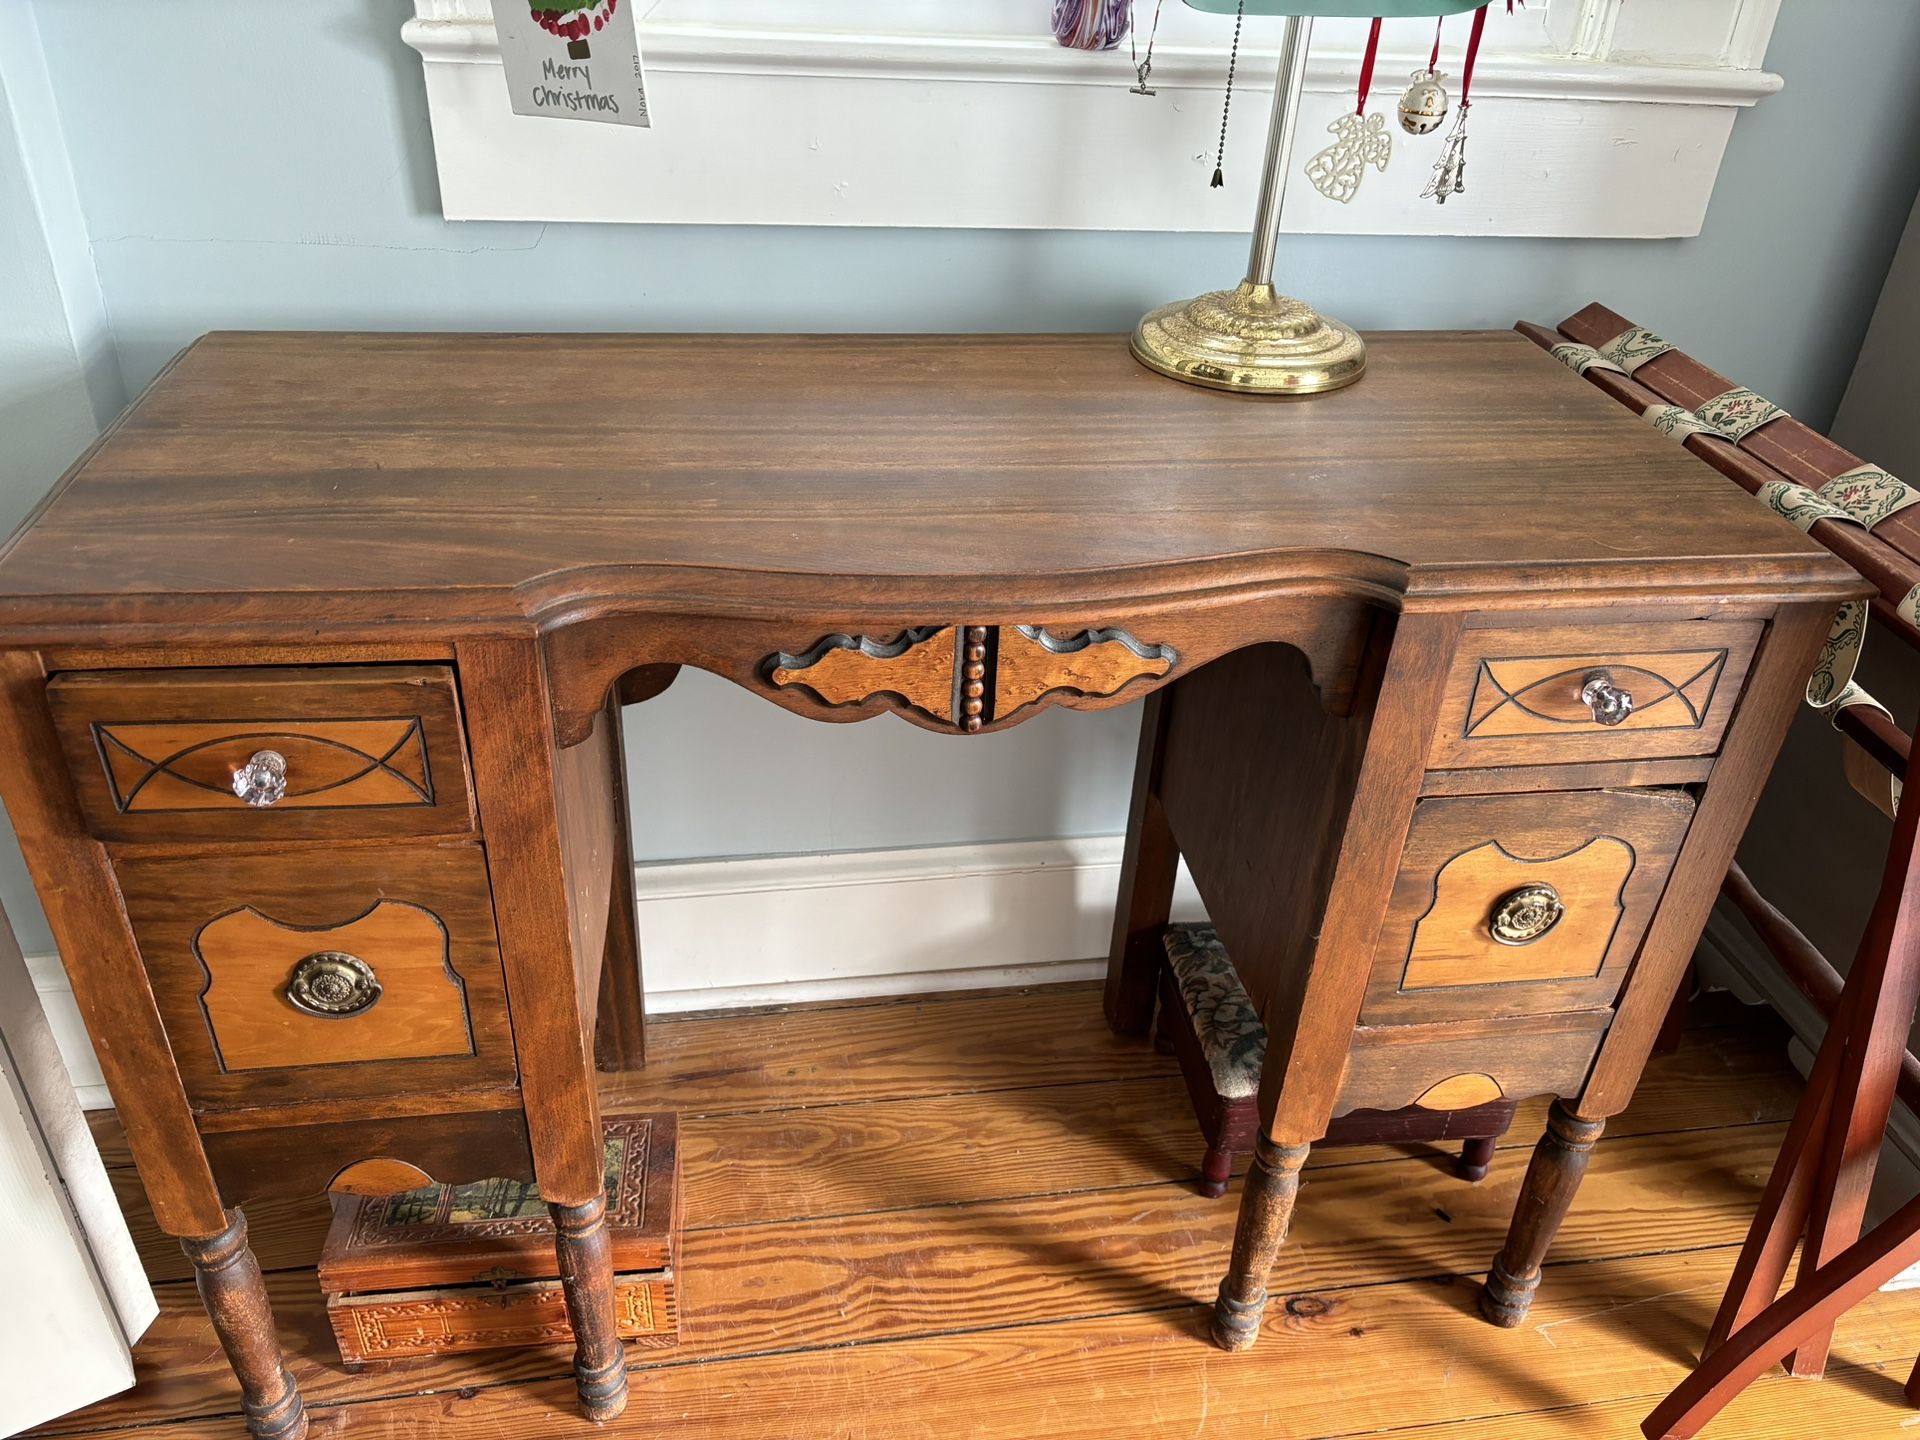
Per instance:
{"type": "Point", "coordinates": [1473, 53]}
{"type": "Point", "coordinates": [1366, 66]}
{"type": "Point", "coordinates": [1433, 60]}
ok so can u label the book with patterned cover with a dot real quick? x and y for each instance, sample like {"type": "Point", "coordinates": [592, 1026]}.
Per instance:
{"type": "Point", "coordinates": [499, 1230]}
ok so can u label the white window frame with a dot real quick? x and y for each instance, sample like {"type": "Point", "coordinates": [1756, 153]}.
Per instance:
{"type": "Point", "coordinates": [1591, 118]}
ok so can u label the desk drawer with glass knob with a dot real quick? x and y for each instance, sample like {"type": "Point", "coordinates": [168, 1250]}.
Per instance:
{"type": "Point", "coordinates": [265, 754]}
{"type": "Point", "coordinates": [1560, 694]}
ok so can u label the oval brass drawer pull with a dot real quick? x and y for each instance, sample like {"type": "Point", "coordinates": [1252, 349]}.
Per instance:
{"type": "Point", "coordinates": [333, 985]}
{"type": "Point", "coordinates": [262, 781]}
{"type": "Point", "coordinates": [1522, 916]}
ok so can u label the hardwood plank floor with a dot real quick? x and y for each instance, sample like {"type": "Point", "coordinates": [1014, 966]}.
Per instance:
{"type": "Point", "coordinates": [972, 1216]}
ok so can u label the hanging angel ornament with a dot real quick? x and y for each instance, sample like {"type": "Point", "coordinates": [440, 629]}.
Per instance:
{"type": "Point", "coordinates": [1359, 139]}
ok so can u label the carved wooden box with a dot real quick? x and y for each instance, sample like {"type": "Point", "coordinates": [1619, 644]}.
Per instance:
{"type": "Point", "coordinates": [454, 1268]}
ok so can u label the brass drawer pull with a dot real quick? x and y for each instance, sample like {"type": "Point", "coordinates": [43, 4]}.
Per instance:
{"type": "Point", "coordinates": [333, 985]}
{"type": "Point", "coordinates": [1608, 702]}
{"type": "Point", "coordinates": [262, 781]}
{"type": "Point", "coordinates": [1522, 916]}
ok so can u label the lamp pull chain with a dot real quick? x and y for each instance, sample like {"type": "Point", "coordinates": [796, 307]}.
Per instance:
{"type": "Point", "coordinates": [1226, 105]}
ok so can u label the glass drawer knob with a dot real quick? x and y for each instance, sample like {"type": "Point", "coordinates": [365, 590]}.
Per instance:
{"type": "Point", "coordinates": [1608, 703]}
{"type": "Point", "coordinates": [1522, 916]}
{"type": "Point", "coordinates": [262, 781]}
{"type": "Point", "coordinates": [332, 984]}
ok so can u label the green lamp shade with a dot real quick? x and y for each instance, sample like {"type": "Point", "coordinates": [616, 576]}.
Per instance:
{"type": "Point", "coordinates": [1362, 9]}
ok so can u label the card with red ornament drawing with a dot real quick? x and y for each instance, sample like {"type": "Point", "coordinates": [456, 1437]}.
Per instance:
{"type": "Point", "coordinates": [573, 59]}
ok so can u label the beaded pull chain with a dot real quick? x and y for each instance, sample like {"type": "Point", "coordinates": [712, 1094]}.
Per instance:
{"type": "Point", "coordinates": [1226, 105]}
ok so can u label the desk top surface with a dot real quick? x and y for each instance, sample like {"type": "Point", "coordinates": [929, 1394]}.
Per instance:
{"type": "Point", "coordinates": [454, 477]}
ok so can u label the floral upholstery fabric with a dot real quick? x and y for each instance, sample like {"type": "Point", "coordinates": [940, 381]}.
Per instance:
{"type": "Point", "coordinates": [1231, 1035]}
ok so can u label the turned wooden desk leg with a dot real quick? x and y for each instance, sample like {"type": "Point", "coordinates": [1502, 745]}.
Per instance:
{"type": "Point", "coordinates": [1553, 1176]}
{"type": "Point", "coordinates": [586, 1278]}
{"type": "Point", "coordinates": [1147, 870]}
{"type": "Point", "coordinates": [231, 1287]}
{"type": "Point", "coordinates": [1266, 1209]}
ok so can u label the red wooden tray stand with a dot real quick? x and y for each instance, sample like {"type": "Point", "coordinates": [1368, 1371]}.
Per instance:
{"type": "Point", "coordinates": [1819, 1185]}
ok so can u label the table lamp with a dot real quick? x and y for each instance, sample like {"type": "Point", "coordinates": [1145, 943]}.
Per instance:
{"type": "Point", "coordinates": [1252, 338]}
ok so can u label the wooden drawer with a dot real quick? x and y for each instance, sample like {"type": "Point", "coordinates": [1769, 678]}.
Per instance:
{"type": "Point", "coordinates": [370, 750]}
{"type": "Point", "coordinates": [1514, 696]}
{"type": "Point", "coordinates": [1463, 1064]}
{"type": "Point", "coordinates": [230, 945]}
{"type": "Point", "coordinates": [1601, 856]}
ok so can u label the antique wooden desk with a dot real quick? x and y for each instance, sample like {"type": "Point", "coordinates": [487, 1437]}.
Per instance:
{"type": "Point", "coordinates": [1460, 685]}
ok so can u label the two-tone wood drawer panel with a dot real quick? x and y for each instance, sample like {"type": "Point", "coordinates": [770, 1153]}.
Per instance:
{"type": "Point", "coordinates": [1522, 904]}
{"type": "Point", "coordinates": [1555, 695]}
{"type": "Point", "coordinates": [300, 975]}
{"type": "Point", "coordinates": [364, 752]}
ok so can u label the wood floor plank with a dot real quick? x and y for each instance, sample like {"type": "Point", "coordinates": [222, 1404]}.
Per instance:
{"type": "Point", "coordinates": [829, 1055]}
{"type": "Point", "coordinates": [893, 1216]}
{"type": "Point", "coordinates": [850, 1279]}
{"type": "Point", "coordinates": [1343, 1363]}
{"type": "Point", "coordinates": [781, 1165]}
{"type": "Point", "coordinates": [1853, 1402]}
{"type": "Point", "coordinates": [917, 1047]}
{"type": "Point", "coordinates": [924, 1046]}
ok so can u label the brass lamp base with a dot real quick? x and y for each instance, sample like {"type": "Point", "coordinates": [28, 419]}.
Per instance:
{"type": "Point", "coordinates": [1253, 340]}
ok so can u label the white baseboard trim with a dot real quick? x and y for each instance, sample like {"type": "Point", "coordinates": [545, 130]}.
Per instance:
{"type": "Point", "coordinates": [786, 929]}
{"type": "Point", "coordinates": [69, 1032]}
{"type": "Point", "coordinates": [721, 934]}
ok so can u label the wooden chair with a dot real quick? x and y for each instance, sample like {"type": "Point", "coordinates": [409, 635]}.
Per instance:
{"type": "Point", "coordinates": [1207, 1020]}
{"type": "Point", "coordinates": [1819, 1185]}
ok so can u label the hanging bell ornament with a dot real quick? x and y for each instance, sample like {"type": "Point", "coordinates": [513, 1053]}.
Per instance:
{"type": "Point", "coordinates": [1423, 109]}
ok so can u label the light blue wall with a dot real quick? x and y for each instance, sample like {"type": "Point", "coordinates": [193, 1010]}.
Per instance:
{"type": "Point", "coordinates": [270, 166]}
{"type": "Point", "coordinates": [59, 378]}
